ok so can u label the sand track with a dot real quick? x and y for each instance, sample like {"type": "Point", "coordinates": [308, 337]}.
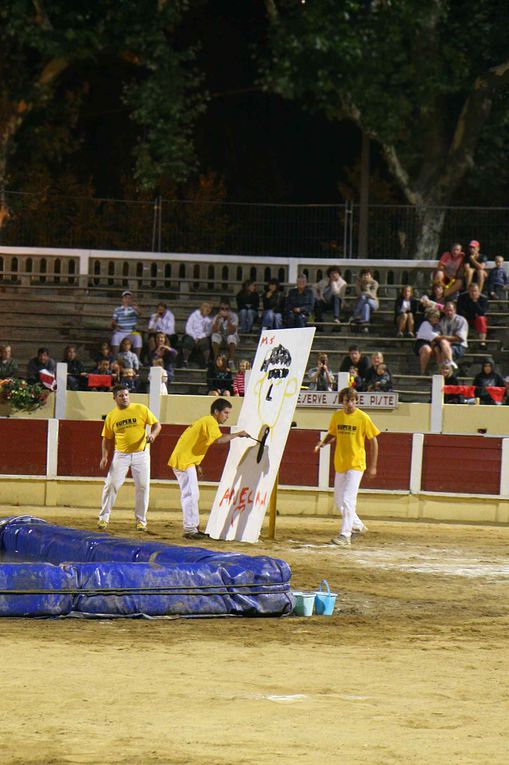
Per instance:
{"type": "Point", "coordinates": [412, 668]}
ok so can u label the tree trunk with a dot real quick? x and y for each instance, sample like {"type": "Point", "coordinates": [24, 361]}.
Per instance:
{"type": "Point", "coordinates": [429, 223]}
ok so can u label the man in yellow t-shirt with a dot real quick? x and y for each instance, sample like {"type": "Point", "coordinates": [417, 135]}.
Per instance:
{"type": "Point", "coordinates": [125, 427]}
{"type": "Point", "coordinates": [350, 427]}
{"type": "Point", "coordinates": [188, 454]}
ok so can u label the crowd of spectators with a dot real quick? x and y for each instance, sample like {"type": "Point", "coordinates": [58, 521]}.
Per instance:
{"type": "Point", "coordinates": [364, 374]}
{"type": "Point", "coordinates": [456, 304]}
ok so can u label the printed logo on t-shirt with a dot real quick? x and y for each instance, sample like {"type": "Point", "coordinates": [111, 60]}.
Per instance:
{"type": "Point", "coordinates": [129, 422]}
{"type": "Point", "coordinates": [347, 429]}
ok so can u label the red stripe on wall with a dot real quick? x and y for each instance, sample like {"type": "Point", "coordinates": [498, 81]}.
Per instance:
{"type": "Point", "coordinates": [299, 466]}
{"type": "Point", "coordinates": [463, 464]}
{"type": "Point", "coordinates": [79, 448]}
{"type": "Point", "coordinates": [23, 447]}
{"type": "Point", "coordinates": [394, 461]}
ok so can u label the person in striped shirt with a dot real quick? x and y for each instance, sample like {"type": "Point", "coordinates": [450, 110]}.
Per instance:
{"type": "Point", "coordinates": [124, 321]}
{"type": "Point", "coordinates": [239, 380]}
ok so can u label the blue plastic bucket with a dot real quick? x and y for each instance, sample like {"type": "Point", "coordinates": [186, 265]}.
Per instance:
{"type": "Point", "coordinates": [325, 599]}
{"type": "Point", "coordinates": [304, 603]}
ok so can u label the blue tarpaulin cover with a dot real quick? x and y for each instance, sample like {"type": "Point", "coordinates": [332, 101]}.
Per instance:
{"type": "Point", "coordinates": [109, 575]}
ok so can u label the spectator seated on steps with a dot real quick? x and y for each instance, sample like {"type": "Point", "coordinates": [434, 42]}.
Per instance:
{"type": "Point", "coordinates": [449, 272]}
{"type": "Point", "coordinates": [39, 363]}
{"type": "Point", "coordinates": [129, 378]}
{"type": "Point", "coordinates": [436, 298]}
{"type": "Point", "coordinates": [381, 381]}
{"type": "Point", "coordinates": [161, 321]}
{"type": "Point", "coordinates": [105, 352]}
{"type": "Point", "coordinates": [487, 377]}
{"type": "Point", "coordinates": [405, 309]}
{"type": "Point", "coordinates": [196, 340]}
{"type": "Point", "coordinates": [76, 375]}
{"type": "Point", "coordinates": [424, 346]}
{"type": "Point", "coordinates": [8, 366]}
{"type": "Point", "coordinates": [273, 305]}
{"type": "Point", "coordinates": [356, 360]}
{"type": "Point", "coordinates": [377, 379]}
{"type": "Point", "coordinates": [366, 290]}
{"type": "Point", "coordinates": [225, 332]}
{"type": "Point", "coordinates": [248, 302]}
{"type": "Point", "coordinates": [474, 307]}
{"type": "Point", "coordinates": [163, 351]}
{"type": "Point", "coordinates": [239, 380]}
{"type": "Point", "coordinates": [320, 377]}
{"type": "Point", "coordinates": [219, 377]}
{"type": "Point", "coordinates": [354, 379]}
{"type": "Point", "coordinates": [329, 294]}
{"type": "Point", "coordinates": [126, 358]}
{"type": "Point", "coordinates": [299, 304]}
{"type": "Point", "coordinates": [498, 281]}
{"type": "Point", "coordinates": [164, 376]}
{"type": "Point", "coordinates": [474, 265]}
{"type": "Point", "coordinates": [452, 342]}
{"type": "Point", "coordinates": [124, 321]}
{"type": "Point", "coordinates": [449, 376]}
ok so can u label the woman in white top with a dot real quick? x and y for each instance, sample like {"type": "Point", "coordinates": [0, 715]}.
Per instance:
{"type": "Point", "coordinates": [427, 332]}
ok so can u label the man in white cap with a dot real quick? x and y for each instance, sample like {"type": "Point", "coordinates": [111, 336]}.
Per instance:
{"type": "Point", "coordinates": [124, 321]}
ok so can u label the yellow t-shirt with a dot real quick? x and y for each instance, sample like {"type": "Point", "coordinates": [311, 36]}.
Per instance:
{"type": "Point", "coordinates": [127, 427]}
{"type": "Point", "coordinates": [350, 431]}
{"type": "Point", "coordinates": [192, 445]}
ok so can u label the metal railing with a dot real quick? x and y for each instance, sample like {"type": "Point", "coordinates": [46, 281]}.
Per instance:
{"type": "Point", "coordinates": [224, 228]}
{"type": "Point", "coordinates": [182, 275]}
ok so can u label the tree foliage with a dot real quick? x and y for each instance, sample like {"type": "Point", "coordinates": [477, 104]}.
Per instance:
{"type": "Point", "coordinates": [427, 81]}
{"type": "Point", "coordinates": [41, 41]}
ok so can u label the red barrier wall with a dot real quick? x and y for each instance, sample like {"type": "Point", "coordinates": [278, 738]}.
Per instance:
{"type": "Point", "coordinates": [299, 466]}
{"type": "Point", "coordinates": [79, 448]}
{"type": "Point", "coordinates": [456, 464]}
{"type": "Point", "coordinates": [462, 464]}
{"type": "Point", "coordinates": [79, 451]}
{"type": "Point", "coordinates": [394, 459]}
{"type": "Point", "coordinates": [23, 447]}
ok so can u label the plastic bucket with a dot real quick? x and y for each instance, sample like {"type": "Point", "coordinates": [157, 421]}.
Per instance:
{"type": "Point", "coordinates": [304, 603]}
{"type": "Point", "coordinates": [325, 599]}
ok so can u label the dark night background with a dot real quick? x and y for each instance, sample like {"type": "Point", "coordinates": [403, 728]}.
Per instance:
{"type": "Point", "coordinates": [263, 148]}
{"type": "Point", "coordinates": [266, 149]}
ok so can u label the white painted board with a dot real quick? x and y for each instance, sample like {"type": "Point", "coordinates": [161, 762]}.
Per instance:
{"type": "Point", "coordinates": [269, 402]}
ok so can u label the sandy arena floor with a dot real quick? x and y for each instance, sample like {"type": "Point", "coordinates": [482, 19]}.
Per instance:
{"type": "Point", "coordinates": [411, 669]}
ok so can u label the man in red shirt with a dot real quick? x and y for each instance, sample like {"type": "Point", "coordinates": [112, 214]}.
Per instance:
{"type": "Point", "coordinates": [449, 271]}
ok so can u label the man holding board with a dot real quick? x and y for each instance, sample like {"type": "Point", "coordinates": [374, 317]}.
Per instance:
{"type": "Point", "coordinates": [188, 454]}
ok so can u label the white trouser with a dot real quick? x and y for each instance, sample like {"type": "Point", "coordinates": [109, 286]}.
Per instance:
{"type": "Point", "coordinates": [139, 462]}
{"type": "Point", "coordinates": [346, 486]}
{"type": "Point", "coordinates": [189, 497]}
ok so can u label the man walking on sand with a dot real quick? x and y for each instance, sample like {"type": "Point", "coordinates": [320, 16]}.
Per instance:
{"type": "Point", "coordinates": [350, 427]}
{"type": "Point", "coordinates": [125, 426]}
{"type": "Point", "coordinates": [188, 454]}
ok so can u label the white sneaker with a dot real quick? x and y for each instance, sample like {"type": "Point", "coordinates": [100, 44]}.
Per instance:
{"type": "Point", "coordinates": [341, 541]}
{"type": "Point", "coordinates": [363, 530]}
